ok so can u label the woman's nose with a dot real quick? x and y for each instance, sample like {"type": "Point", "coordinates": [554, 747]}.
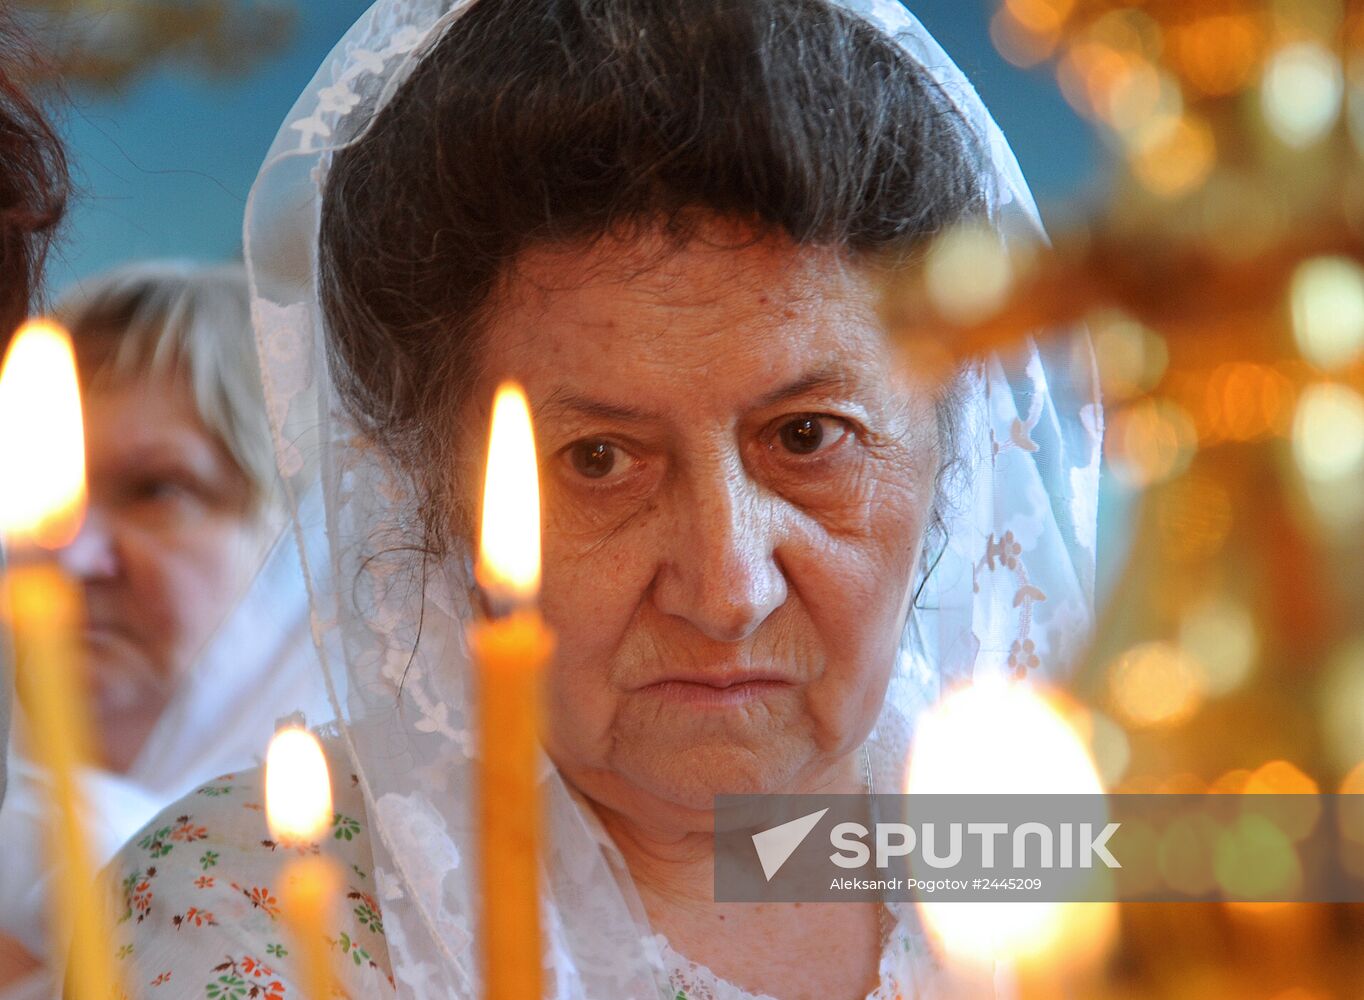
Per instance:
{"type": "Point", "coordinates": [92, 555]}
{"type": "Point", "coordinates": [722, 574]}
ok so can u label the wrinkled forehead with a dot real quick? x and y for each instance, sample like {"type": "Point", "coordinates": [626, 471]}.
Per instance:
{"type": "Point", "coordinates": [719, 267]}
{"type": "Point", "coordinates": [724, 319]}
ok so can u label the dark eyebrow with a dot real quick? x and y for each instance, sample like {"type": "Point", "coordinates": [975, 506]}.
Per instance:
{"type": "Point", "coordinates": [565, 399]}
{"type": "Point", "coordinates": [830, 380]}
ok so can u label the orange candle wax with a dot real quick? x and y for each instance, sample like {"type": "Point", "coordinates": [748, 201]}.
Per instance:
{"type": "Point", "coordinates": [510, 655]}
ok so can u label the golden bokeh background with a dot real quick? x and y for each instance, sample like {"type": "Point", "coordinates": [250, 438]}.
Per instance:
{"type": "Point", "coordinates": [1220, 277]}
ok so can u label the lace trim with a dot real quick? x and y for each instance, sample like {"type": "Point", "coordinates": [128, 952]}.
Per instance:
{"type": "Point", "coordinates": [694, 981]}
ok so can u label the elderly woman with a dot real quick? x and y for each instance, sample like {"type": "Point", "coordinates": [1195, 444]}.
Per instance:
{"type": "Point", "coordinates": [766, 543]}
{"type": "Point", "coordinates": [196, 642]}
{"type": "Point", "coordinates": [32, 198]}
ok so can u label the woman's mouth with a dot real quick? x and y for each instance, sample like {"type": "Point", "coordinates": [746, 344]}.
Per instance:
{"type": "Point", "coordinates": [98, 633]}
{"type": "Point", "coordinates": [718, 693]}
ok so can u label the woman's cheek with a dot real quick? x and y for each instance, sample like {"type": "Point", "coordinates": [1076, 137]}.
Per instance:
{"type": "Point", "coordinates": [871, 491]}
{"type": "Point", "coordinates": [578, 705]}
{"type": "Point", "coordinates": [856, 614]}
{"type": "Point", "coordinates": [857, 577]}
{"type": "Point", "coordinates": [589, 594]}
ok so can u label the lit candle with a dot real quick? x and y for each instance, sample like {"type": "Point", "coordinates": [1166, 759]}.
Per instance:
{"type": "Point", "coordinates": [42, 455]}
{"type": "Point", "coordinates": [999, 946]}
{"type": "Point", "coordinates": [298, 807]}
{"type": "Point", "coordinates": [510, 651]}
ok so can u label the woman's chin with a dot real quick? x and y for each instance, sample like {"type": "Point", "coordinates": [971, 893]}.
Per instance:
{"type": "Point", "coordinates": [691, 776]}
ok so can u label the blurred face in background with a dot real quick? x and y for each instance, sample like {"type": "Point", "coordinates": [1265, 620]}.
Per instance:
{"type": "Point", "coordinates": [169, 544]}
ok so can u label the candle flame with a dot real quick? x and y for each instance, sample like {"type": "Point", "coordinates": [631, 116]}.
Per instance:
{"type": "Point", "coordinates": [42, 439]}
{"type": "Point", "coordinates": [956, 746]}
{"type": "Point", "coordinates": [298, 789]}
{"type": "Point", "coordinates": [509, 546]}
{"type": "Point", "coordinates": [957, 750]}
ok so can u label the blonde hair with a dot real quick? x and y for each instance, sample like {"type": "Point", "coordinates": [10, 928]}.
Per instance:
{"type": "Point", "coordinates": [182, 320]}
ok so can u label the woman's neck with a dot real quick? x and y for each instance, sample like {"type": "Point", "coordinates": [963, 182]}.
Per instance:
{"type": "Point", "coordinates": [670, 851]}
{"type": "Point", "coordinates": [675, 866]}
{"type": "Point", "coordinates": [762, 948]}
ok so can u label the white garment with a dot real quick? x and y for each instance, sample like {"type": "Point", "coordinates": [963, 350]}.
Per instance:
{"type": "Point", "coordinates": [1013, 587]}
{"type": "Point", "coordinates": [259, 666]}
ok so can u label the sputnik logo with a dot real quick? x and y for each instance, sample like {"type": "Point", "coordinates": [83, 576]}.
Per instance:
{"type": "Point", "coordinates": [776, 845]}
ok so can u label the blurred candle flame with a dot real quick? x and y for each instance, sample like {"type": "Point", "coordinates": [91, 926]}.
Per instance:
{"type": "Point", "coordinates": [509, 544]}
{"type": "Point", "coordinates": [1157, 684]}
{"type": "Point", "coordinates": [1327, 299]}
{"type": "Point", "coordinates": [298, 788]}
{"type": "Point", "coordinates": [994, 738]}
{"type": "Point", "coordinates": [1301, 92]}
{"type": "Point", "coordinates": [1328, 432]}
{"type": "Point", "coordinates": [957, 746]}
{"type": "Point", "coordinates": [969, 273]}
{"type": "Point", "coordinates": [43, 448]}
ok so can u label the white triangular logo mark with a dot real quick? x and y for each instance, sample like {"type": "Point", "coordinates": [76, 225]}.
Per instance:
{"type": "Point", "coordinates": [779, 843]}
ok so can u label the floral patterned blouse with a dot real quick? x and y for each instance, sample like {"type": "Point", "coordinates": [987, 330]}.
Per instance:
{"type": "Point", "coordinates": [197, 900]}
{"type": "Point", "coordinates": [197, 907]}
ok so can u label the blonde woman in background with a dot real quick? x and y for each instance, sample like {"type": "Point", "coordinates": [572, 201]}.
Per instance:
{"type": "Point", "coordinates": [197, 633]}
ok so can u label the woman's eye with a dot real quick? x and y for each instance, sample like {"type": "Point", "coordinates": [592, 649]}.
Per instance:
{"type": "Point", "coordinates": [596, 459]}
{"type": "Point", "coordinates": [154, 490]}
{"type": "Point", "coordinates": [811, 433]}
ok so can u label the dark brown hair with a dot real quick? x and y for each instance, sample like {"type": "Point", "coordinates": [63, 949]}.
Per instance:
{"type": "Point", "coordinates": [565, 120]}
{"type": "Point", "coordinates": [33, 183]}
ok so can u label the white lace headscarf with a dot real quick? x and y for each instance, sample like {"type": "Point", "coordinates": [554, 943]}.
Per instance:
{"type": "Point", "coordinates": [1012, 591]}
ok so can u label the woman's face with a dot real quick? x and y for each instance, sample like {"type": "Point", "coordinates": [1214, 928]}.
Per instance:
{"type": "Point", "coordinates": [735, 484]}
{"type": "Point", "coordinates": [168, 544]}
